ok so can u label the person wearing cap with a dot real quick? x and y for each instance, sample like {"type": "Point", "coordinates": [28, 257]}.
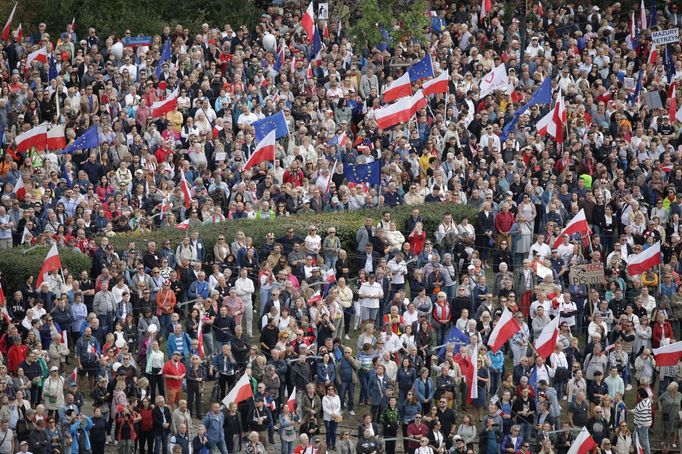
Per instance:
{"type": "Point", "coordinates": [53, 391]}
{"type": "Point", "coordinates": [174, 372]}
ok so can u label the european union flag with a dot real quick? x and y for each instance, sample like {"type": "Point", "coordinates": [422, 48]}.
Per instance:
{"type": "Point", "coordinates": [363, 173]}
{"type": "Point", "coordinates": [422, 69]}
{"type": "Point", "coordinates": [633, 98]}
{"type": "Point", "coordinates": [165, 56]}
{"type": "Point", "coordinates": [52, 69]}
{"type": "Point", "coordinates": [456, 337]}
{"type": "Point", "coordinates": [542, 95]}
{"type": "Point", "coordinates": [89, 139]}
{"type": "Point", "coordinates": [267, 124]}
{"type": "Point", "coordinates": [317, 45]}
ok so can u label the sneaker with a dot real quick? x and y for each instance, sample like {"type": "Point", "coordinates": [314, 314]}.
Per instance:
{"type": "Point", "coordinates": [565, 398]}
{"type": "Point", "coordinates": [346, 337]}
{"type": "Point", "coordinates": [628, 387]}
{"type": "Point", "coordinates": [352, 413]}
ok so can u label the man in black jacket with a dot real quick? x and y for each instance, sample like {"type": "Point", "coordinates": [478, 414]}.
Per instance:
{"type": "Point", "coordinates": [161, 417]}
{"type": "Point", "coordinates": [259, 420]}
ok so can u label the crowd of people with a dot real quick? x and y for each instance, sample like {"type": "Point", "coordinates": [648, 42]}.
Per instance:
{"type": "Point", "coordinates": [140, 351]}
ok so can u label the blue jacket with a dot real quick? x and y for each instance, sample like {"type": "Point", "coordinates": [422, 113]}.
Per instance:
{"type": "Point", "coordinates": [408, 410]}
{"type": "Point", "coordinates": [172, 345]}
{"type": "Point", "coordinates": [497, 360]}
{"type": "Point", "coordinates": [74, 434]}
{"type": "Point", "coordinates": [219, 363]}
{"type": "Point", "coordinates": [507, 443]}
{"type": "Point", "coordinates": [377, 389]}
{"type": "Point", "coordinates": [326, 371]}
{"type": "Point", "coordinates": [197, 289]}
{"type": "Point", "coordinates": [214, 427]}
{"type": "Point", "coordinates": [406, 378]}
{"type": "Point", "coordinates": [346, 371]}
{"type": "Point", "coordinates": [420, 389]}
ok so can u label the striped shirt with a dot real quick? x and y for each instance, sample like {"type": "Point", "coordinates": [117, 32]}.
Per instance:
{"type": "Point", "coordinates": [643, 416]}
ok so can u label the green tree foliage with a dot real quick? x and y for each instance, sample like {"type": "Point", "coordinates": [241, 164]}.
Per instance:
{"type": "Point", "coordinates": [401, 19]}
{"type": "Point", "coordinates": [16, 265]}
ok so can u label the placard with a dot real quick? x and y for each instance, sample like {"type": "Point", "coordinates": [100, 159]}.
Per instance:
{"type": "Point", "coordinates": [136, 41]}
{"type": "Point", "coordinates": [671, 35]}
{"type": "Point", "coordinates": [586, 274]}
{"type": "Point", "coordinates": [629, 83]}
{"type": "Point", "coordinates": [323, 11]}
{"type": "Point", "coordinates": [652, 99]}
{"type": "Point", "coordinates": [221, 156]}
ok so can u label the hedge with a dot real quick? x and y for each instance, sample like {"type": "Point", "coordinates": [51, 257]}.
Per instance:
{"type": "Point", "coordinates": [16, 265]}
{"type": "Point", "coordinates": [346, 223]}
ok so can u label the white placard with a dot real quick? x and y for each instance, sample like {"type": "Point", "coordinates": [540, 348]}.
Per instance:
{"type": "Point", "coordinates": [221, 156]}
{"type": "Point", "coordinates": [629, 83]}
{"type": "Point", "coordinates": [665, 36]}
{"type": "Point", "coordinates": [323, 11]}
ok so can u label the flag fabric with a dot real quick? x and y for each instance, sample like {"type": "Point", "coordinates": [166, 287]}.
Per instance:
{"type": "Point", "coordinates": [3, 306]}
{"type": "Point", "coordinates": [19, 34]}
{"type": "Point", "coordinates": [35, 137]}
{"type": "Point", "coordinates": [73, 24]}
{"type": "Point", "coordinates": [668, 355]}
{"type": "Point", "coordinates": [543, 95]}
{"type": "Point", "coordinates": [339, 139]}
{"type": "Point", "coordinates": [642, 16]}
{"type": "Point", "coordinates": [633, 33]}
{"type": "Point", "coordinates": [329, 276]}
{"type": "Point", "coordinates": [576, 225]}
{"type": "Point", "coordinates": [65, 337]}
{"type": "Point", "coordinates": [553, 122]}
{"type": "Point", "coordinates": [279, 59]}
{"type": "Point", "coordinates": [363, 173]}
{"type": "Point", "coordinates": [399, 88]}
{"type": "Point", "coordinates": [240, 392]}
{"type": "Point", "coordinates": [165, 56]}
{"type": "Point", "coordinates": [638, 88]}
{"type": "Point", "coordinates": [161, 108]}
{"type": "Point", "coordinates": [51, 263]}
{"type": "Point", "coordinates": [200, 338]}
{"type": "Point", "coordinates": [20, 189]}
{"type": "Point", "coordinates": [315, 298]}
{"type": "Point", "coordinates": [422, 69]}
{"type": "Point", "coordinates": [400, 111]}
{"type": "Point", "coordinates": [583, 443]}
{"type": "Point", "coordinates": [647, 259]}
{"type": "Point", "coordinates": [506, 327]}
{"type": "Point", "coordinates": [291, 402]}
{"type": "Point", "coordinates": [436, 85]}
{"type": "Point", "coordinates": [265, 151]}
{"type": "Point", "coordinates": [89, 139]}
{"type": "Point", "coordinates": [55, 138]}
{"type": "Point", "coordinates": [672, 106]}
{"type": "Point", "coordinates": [74, 375]}
{"type": "Point", "coordinates": [52, 69]}
{"type": "Point", "coordinates": [456, 337]}
{"type": "Point", "coordinates": [316, 47]}
{"type": "Point", "coordinates": [496, 79]}
{"type": "Point", "coordinates": [472, 377]}
{"type": "Point", "coordinates": [652, 14]}
{"type": "Point", "coordinates": [186, 191]}
{"type": "Point", "coordinates": [638, 446]}
{"type": "Point", "coordinates": [325, 30]}
{"type": "Point", "coordinates": [486, 7]}
{"type": "Point", "coordinates": [653, 54]}
{"type": "Point", "coordinates": [276, 122]}
{"type": "Point", "coordinates": [8, 25]}
{"type": "Point", "coordinates": [184, 225]}
{"type": "Point", "coordinates": [540, 10]}
{"type": "Point", "coordinates": [308, 21]}
{"type": "Point", "coordinates": [546, 341]}
{"type": "Point", "coordinates": [38, 55]}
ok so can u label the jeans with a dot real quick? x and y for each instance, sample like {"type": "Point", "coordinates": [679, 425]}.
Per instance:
{"type": "Point", "coordinates": [369, 313]}
{"type": "Point", "coordinates": [364, 383]}
{"type": "Point", "coordinates": [248, 316]}
{"type": "Point", "coordinates": [642, 434]}
{"type": "Point", "coordinates": [287, 447]}
{"type": "Point", "coordinates": [194, 392]}
{"type": "Point", "coordinates": [350, 389]}
{"type": "Point", "coordinates": [156, 382]}
{"type": "Point", "coordinates": [495, 378]}
{"type": "Point", "coordinates": [330, 437]}
{"type": "Point", "coordinates": [526, 430]}
{"type": "Point", "coordinates": [209, 349]}
{"type": "Point", "coordinates": [164, 319]}
{"type": "Point", "coordinates": [125, 446]}
{"type": "Point", "coordinates": [220, 445]}
{"type": "Point", "coordinates": [264, 295]}
{"type": "Point", "coordinates": [161, 441]}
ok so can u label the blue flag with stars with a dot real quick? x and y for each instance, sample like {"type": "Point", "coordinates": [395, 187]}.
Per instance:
{"type": "Point", "coordinates": [316, 46]}
{"type": "Point", "coordinates": [456, 337]}
{"type": "Point", "coordinates": [633, 98]}
{"type": "Point", "coordinates": [363, 173]}
{"type": "Point", "coordinates": [267, 124]}
{"type": "Point", "coordinates": [52, 68]}
{"type": "Point", "coordinates": [89, 139]}
{"type": "Point", "coordinates": [422, 69]}
{"type": "Point", "coordinates": [165, 56]}
{"type": "Point", "coordinates": [542, 95]}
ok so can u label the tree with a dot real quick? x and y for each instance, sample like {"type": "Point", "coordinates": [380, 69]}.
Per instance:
{"type": "Point", "coordinates": [414, 19]}
{"type": "Point", "coordinates": [392, 20]}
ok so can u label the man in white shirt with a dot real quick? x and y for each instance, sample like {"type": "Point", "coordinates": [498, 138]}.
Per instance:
{"type": "Point", "coordinates": [245, 290]}
{"type": "Point", "coordinates": [370, 293]}
{"type": "Point", "coordinates": [540, 248]}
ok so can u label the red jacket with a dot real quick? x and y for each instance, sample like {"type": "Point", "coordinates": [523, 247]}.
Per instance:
{"type": "Point", "coordinates": [659, 332]}
{"type": "Point", "coordinates": [441, 311]}
{"type": "Point", "coordinates": [171, 368]}
{"type": "Point", "coordinates": [15, 355]}
{"type": "Point", "coordinates": [504, 221]}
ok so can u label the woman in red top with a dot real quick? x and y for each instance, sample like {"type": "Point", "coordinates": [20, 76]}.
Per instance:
{"type": "Point", "coordinates": [145, 431]}
{"type": "Point", "coordinates": [660, 330]}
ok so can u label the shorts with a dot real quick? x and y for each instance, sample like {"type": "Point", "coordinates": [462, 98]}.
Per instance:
{"type": "Point", "coordinates": [89, 369]}
{"type": "Point", "coordinates": [173, 395]}
{"type": "Point", "coordinates": [368, 313]}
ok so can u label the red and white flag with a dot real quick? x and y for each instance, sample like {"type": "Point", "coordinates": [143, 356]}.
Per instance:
{"type": "Point", "coordinates": [472, 377]}
{"type": "Point", "coordinates": [672, 106]}
{"type": "Point", "coordinates": [486, 7]}
{"type": "Point", "coordinates": [308, 21]}
{"type": "Point", "coordinates": [200, 338]}
{"type": "Point", "coordinates": [436, 85]}
{"type": "Point", "coordinates": [325, 30]}
{"type": "Point", "coordinates": [291, 402]}
{"type": "Point", "coordinates": [329, 276]}
{"type": "Point", "coordinates": [583, 443]}
{"type": "Point", "coordinates": [417, 102]}
{"type": "Point", "coordinates": [55, 138]}
{"type": "Point", "coordinates": [668, 355]}
{"type": "Point", "coordinates": [241, 391]}
{"type": "Point", "coordinates": [576, 225]}
{"type": "Point", "coordinates": [647, 259]}
{"type": "Point", "coordinates": [65, 338]}
{"type": "Point", "coordinates": [20, 189]}
{"type": "Point", "coordinates": [19, 33]}
{"type": "Point", "coordinates": [38, 55]}
{"type": "Point", "coordinates": [3, 306]}
{"type": "Point", "coordinates": [186, 190]}
{"type": "Point", "coordinates": [73, 24]}
{"type": "Point", "coordinates": [74, 375]}
{"type": "Point", "coordinates": [35, 137]}
{"type": "Point", "coordinates": [8, 25]}
{"type": "Point", "coordinates": [540, 10]}
{"type": "Point", "coordinates": [400, 111]}
{"type": "Point", "coordinates": [265, 151]}
{"type": "Point", "coordinates": [653, 55]}
{"type": "Point", "coordinates": [51, 263]}
{"type": "Point", "coordinates": [506, 327]}
{"type": "Point", "coordinates": [638, 446]}
{"type": "Point", "coordinates": [497, 79]}
{"type": "Point", "coordinates": [160, 108]}
{"type": "Point", "coordinates": [399, 88]}
{"type": "Point", "coordinates": [546, 341]}
{"type": "Point", "coordinates": [642, 16]}
{"type": "Point", "coordinates": [553, 122]}
{"type": "Point", "coordinates": [184, 225]}
{"type": "Point", "coordinates": [315, 298]}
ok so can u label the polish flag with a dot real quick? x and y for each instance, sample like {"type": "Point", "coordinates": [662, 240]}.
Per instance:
{"type": "Point", "coordinates": [184, 225]}
{"type": "Point", "coordinates": [308, 21]}
{"type": "Point", "coordinates": [642, 16]}
{"type": "Point", "coordinates": [400, 88]}
{"type": "Point", "coordinates": [241, 391]}
{"type": "Point", "coordinates": [555, 127]}
{"type": "Point", "coordinates": [8, 25]}
{"type": "Point", "coordinates": [486, 6]}
{"type": "Point", "coordinates": [583, 443]}
{"type": "Point", "coordinates": [265, 151]}
{"type": "Point", "coordinates": [417, 102]}
{"type": "Point", "coordinates": [65, 338]}
{"type": "Point", "coordinates": [186, 191]}
{"type": "Point", "coordinates": [672, 107]}
{"type": "Point", "coordinates": [638, 447]}
{"type": "Point", "coordinates": [653, 55]}
{"type": "Point", "coordinates": [3, 306]}
{"type": "Point", "coordinates": [73, 24]}
{"type": "Point", "coordinates": [39, 55]}
{"type": "Point", "coordinates": [291, 402]}
{"type": "Point", "coordinates": [20, 189]}
{"type": "Point", "coordinates": [329, 276]}
{"type": "Point", "coordinates": [19, 33]}
{"type": "Point", "coordinates": [436, 85]}
{"type": "Point", "coordinates": [647, 259]}
{"type": "Point", "coordinates": [325, 30]}
{"type": "Point", "coordinates": [55, 138]}
{"type": "Point", "coordinates": [315, 298]}
{"type": "Point", "coordinates": [668, 355]}
{"type": "Point", "coordinates": [51, 263]}
{"type": "Point", "coordinates": [506, 327]}
{"type": "Point", "coordinates": [74, 374]}
{"type": "Point", "coordinates": [472, 377]}
{"type": "Point", "coordinates": [200, 337]}
{"type": "Point", "coordinates": [540, 11]}
{"type": "Point", "coordinates": [33, 138]}
{"type": "Point", "coordinates": [577, 225]}
{"type": "Point", "coordinates": [546, 342]}
{"type": "Point", "coordinates": [160, 108]}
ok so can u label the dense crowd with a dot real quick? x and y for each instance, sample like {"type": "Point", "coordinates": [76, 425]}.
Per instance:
{"type": "Point", "coordinates": [140, 351]}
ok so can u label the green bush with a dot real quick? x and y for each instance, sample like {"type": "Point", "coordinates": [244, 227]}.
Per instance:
{"type": "Point", "coordinates": [346, 223]}
{"type": "Point", "coordinates": [16, 266]}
